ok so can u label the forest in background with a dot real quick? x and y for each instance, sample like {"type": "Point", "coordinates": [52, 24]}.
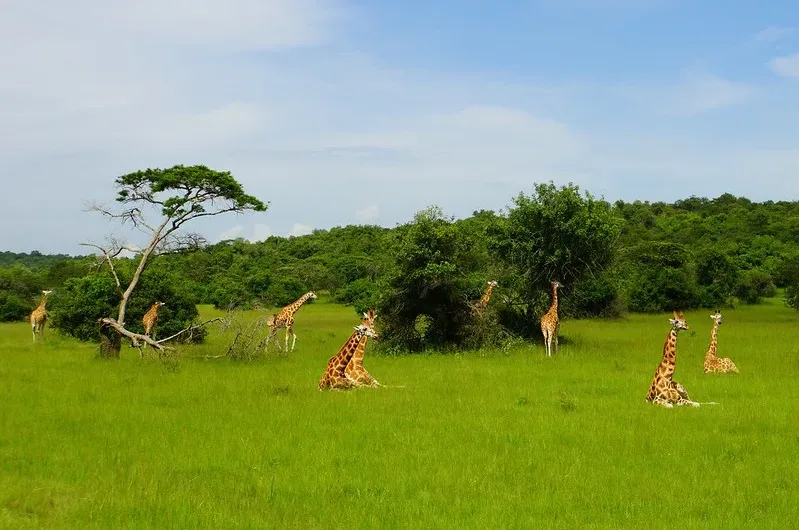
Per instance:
{"type": "Point", "coordinates": [612, 258]}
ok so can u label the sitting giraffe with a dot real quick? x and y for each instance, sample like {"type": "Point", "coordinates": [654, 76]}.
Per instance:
{"type": "Point", "coordinates": [335, 376]}
{"type": "Point", "coordinates": [713, 363]}
{"type": "Point", "coordinates": [285, 319]}
{"type": "Point", "coordinates": [151, 317]}
{"type": "Point", "coordinates": [39, 317]}
{"type": "Point", "coordinates": [479, 306]}
{"type": "Point", "coordinates": [355, 370]}
{"type": "Point", "coordinates": [550, 323]}
{"type": "Point", "coordinates": [664, 390]}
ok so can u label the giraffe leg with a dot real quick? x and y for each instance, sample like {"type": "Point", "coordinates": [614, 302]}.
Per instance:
{"type": "Point", "coordinates": [682, 401]}
{"type": "Point", "coordinates": [557, 348]}
{"type": "Point", "coordinates": [660, 400]}
{"type": "Point", "coordinates": [293, 339]}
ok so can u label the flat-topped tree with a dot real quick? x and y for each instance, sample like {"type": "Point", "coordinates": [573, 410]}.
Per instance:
{"type": "Point", "coordinates": [176, 196]}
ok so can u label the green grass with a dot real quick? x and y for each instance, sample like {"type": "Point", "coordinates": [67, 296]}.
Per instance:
{"type": "Point", "coordinates": [491, 439]}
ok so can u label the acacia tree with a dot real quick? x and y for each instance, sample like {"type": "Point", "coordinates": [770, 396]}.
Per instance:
{"type": "Point", "coordinates": [174, 196]}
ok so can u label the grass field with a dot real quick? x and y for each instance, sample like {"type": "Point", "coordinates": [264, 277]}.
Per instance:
{"type": "Point", "coordinates": [490, 439]}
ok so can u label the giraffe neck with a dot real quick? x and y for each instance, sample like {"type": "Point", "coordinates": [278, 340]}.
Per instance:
{"type": "Point", "coordinates": [360, 349]}
{"type": "Point", "coordinates": [554, 305]}
{"type": "Point", "coordinates": [666, 368]}
{"type": "Point", "coordinates": [42, 304]}
{"type": "Point", "coordinates": [298, 303]}
{"type": "Point", "coordinates": [486, 296]}
{"type": "Point", "coordinates": [342, 358]}
{"type": "Point", "coordinates": [711, 351]}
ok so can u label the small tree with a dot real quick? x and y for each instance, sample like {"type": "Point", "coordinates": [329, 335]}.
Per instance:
{"type": "Point", "coordinates": [176, 196]}
{"type": "Point", "coordinates": [553, 234]}
{"type": "Point", "coordinates": [424, 300]}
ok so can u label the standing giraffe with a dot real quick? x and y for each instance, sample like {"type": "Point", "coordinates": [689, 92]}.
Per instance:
{"type": "Point", "coordinates": [355, 370]}
{"type": "Point", "coordinates": [39, 317]}
{"type": "Point", "coordinates": [713, 363]}
{"type": "Point", "coordinates": [550, 323]}
{"type": "Point", "coordinates": [151, 317]}
{"type": "Point", "coordinates": [285, 319]}
{"type": "Point", "coordinates": [665, 391]}
{"type": "Point", "coordinates": [479, 306]}
{"type": "Point", "coordinates": [335, 376]}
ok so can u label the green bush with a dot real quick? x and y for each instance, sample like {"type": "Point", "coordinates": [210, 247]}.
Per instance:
{"type": "Point", "coordinates": [12, 307]}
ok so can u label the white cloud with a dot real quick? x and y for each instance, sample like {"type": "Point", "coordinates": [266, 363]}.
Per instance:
{"type": "Point", "coordinates": [234, 232]}
{"type": "Point", "coordinates": [300, 230]}
{"type": "Point", "coordinates": [695, 93]}
{"type": "Point", "coordinates": [261, 232]}
{"type": "Point", "coordinates": [787, 66]}
{"type": "Point", "coordinates": [266, 90]}
{"type": "Point", "coordinates": [774, 33]}
{"type": "Point", "coordinates": [368, 214]}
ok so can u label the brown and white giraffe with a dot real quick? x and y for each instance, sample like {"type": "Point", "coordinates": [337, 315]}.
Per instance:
{"type": "Point", "coordinates": [550, 323]}
{"type": "Point", "coordinates": [664, 390]}
{"type": "Point", "coordinates": [39, 316]}
{"type": "Point", "coordinates": [479, 306]}
{"type": "Point", "coordinates": [285, 319]}
{"type": "Point", "coordinates": [150, 318]}
{"type": "Point", "coordinates": [335, 376]}
{"type": "Point", "coordinates": [355, 370]}
{"type": "Point", "coordinates": [713, 363]}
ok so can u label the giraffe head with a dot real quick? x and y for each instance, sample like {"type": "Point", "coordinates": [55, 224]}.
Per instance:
{"type": "Point", "coordinates": [717, 317]}
{"type": "Point", "coordinates": [363, 329]}
{"type": "Point", "coordinates": [493, 283]}
{"type": "Point", "coordinates": [159, 304]}
{"type": "Point", "coordinates": [368, 318]}
{"type": "Point", "coordinates": [556, 284]}
{"type": "Point", "coordinates": [312, 295]}
{"type": "Point", "coordinates": [46, 292]}
{"type": "Point", "coordinates": [678, 322]}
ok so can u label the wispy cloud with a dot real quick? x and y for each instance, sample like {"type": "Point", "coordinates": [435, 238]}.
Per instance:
{"type": "Point", "coordinates": [787, 66]}
{"type": "Point", "coordinates": [695, 92]}
{"type": "Point", "coordinates": [774, 33]}
{"type": "Point", "coordinates": [281, 93]}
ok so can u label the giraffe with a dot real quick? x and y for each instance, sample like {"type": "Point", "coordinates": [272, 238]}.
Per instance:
{"type": "Point", "coordinates": [151, 317]}
{"type": "Point", "coordinates": [39, 316]}
{"type": "Point", "coordinates": [355, 370]}
{"type": "Point", "coordinates": [285, 319]}
{"type": "Point", "coordinates": [550, 323]}
{"type": "Point", "coordinates": [664, 390]}
{"type": "Point", "coordinates": [335, 376]}
{"type": "Point", "coordinates": [479, 306]}
{"type": "Point", "coordinates": [714, 363]}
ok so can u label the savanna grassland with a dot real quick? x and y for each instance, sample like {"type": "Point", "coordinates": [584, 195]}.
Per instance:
{"type": "Point", "coordinates": [490, 439]}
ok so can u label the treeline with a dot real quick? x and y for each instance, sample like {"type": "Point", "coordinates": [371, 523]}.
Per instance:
{"type": "Point", "coordinates": [611, 258]}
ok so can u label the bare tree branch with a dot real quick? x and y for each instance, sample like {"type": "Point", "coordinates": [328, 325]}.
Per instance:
{"type": "Point", "coordinates": [192, 327]}
{"type": "Point", "coordinates": [108, 258]}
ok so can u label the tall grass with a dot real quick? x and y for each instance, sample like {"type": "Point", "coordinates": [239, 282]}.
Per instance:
{"type": "Point", "coordinates": [490, 439]}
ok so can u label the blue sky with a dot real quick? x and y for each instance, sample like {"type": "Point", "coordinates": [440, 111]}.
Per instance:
{"type": "Point", "coordinates": [342, 112]}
